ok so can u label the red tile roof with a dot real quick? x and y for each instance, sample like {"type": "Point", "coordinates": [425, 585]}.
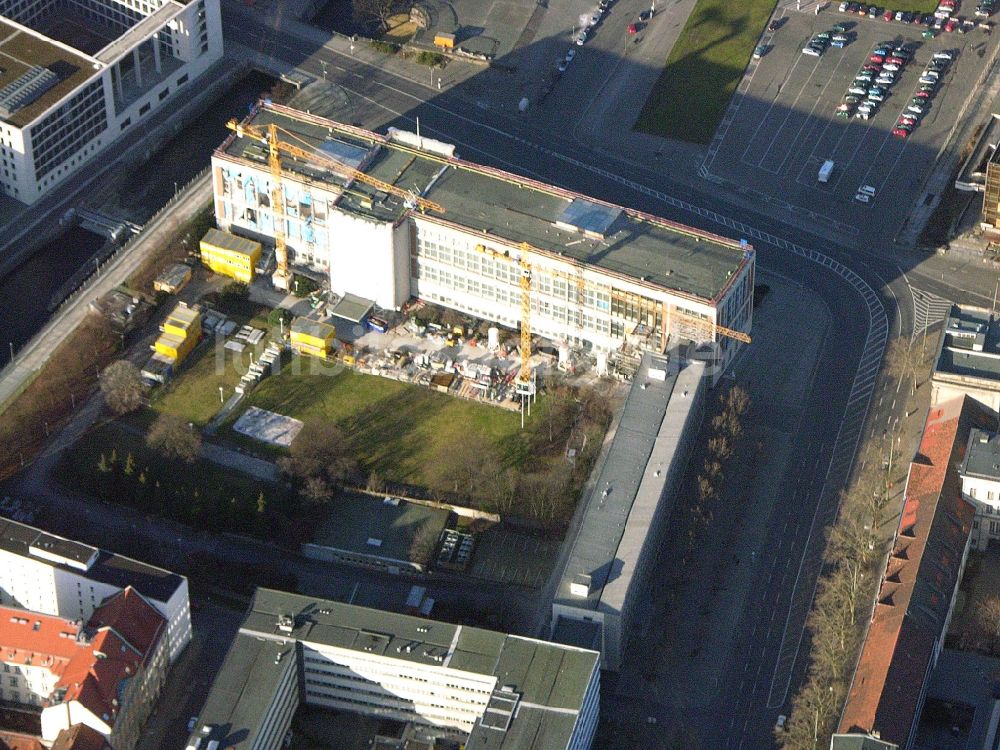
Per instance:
{"type": "Point", "coordinates": [19, 741]}
{"type": "Point", "coordinates": [81, 737]}
{"type": "Point", "coordinates": [91, 664]}
{"type": "Point", "coordinates": [920, 579]}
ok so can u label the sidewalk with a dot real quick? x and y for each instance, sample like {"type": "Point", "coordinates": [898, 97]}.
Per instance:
{"type": "Point", "coordinates": [15, 377]}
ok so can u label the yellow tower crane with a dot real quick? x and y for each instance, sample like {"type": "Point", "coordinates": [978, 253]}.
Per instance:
{"type": "Point", "coordinates": [524, 374]}
{"type": "Point", "coordinates": [269, 137]}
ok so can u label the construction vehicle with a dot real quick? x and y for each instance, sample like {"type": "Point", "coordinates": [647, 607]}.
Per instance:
{"type": "Point", "coordinates": [269, 137]}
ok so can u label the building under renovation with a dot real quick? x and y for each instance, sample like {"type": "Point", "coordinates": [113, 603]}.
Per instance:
{"type": "Point", "coordinates": [77, 74]}
{"type": "Point", "coordinates": [400, 216]}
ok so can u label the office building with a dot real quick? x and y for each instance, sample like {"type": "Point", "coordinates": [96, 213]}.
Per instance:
{"type": "Point", "coordinates": [77, 74]}
{"type": "Point", "coordinates": [968, 357]}
{"type": "Point", "coordinates": [46, 573]}
{"type": "Point", "coordinates": [603, 597]}
{"type": "Point", "coordinates": [454, 683]}
{"type": "Point", "coordinates": [408, 218]}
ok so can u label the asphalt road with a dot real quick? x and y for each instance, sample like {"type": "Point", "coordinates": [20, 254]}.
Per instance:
{"type": "Point", "coordinates": [378, 99]}
{"type": "Point", "coordinates": [752, 692]}
{"type": "Point", "coordinates": [759, 676]}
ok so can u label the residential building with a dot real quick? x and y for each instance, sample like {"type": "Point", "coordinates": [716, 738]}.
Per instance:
{"type": "Point", "coordinates": [77, 74]}
{"type": "Point", "coordinates": [230, 255]}
{"type": "Point", "coordinates": [602, 595]}
{"type": "Point", "coordinates": [105, 675]}
{"type": "Point", "coordinates": [476, 687]}
{"type": "Point", "coordinates": [46, 573]}
{"type": "Point", "coordinates": [968, 357]}
{"type": "Point", "coordinates": [920, 583]}
{"type": "Point", "coordinates": [408, 218]}
{"type": "Point", "coordinates": [980, 471]}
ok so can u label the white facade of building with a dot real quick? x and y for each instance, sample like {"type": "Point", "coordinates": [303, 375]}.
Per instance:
{"type": "Point", "coordinates": [475, 270]}
{"type": "Point", "coordinates": [980, 472]}
{"type": "Point", "coordinates": [161, 49]}
{"type": "Point", "coordinates": [44, 581]}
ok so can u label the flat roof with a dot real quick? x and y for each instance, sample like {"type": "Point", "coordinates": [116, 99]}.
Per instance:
{"type": "Point", "coordinates": [315, 328]}
{"type": "Point", "coordinates": [352, 307]}
{"type": "Point", "coordinates": [508, 207]}
{"type": "Point", "coordinates": [628, 491]}
{"type": "Point", "coordinates": [969, 346]}
{"type": "Point", "coordinates": [115, 570]}
{"type": "Point", "coordinates": [982, 455]}
{"type": "Point", "coordinates": [22, 49]}
{"type": "Point", "coordinates": [140, 31]}
{"type": "Point", "coordinates": [226, 241]}
{"type": "Point", "coordinates": [370, 526]}
{"type": "Point", "coordinates": [550, 679]}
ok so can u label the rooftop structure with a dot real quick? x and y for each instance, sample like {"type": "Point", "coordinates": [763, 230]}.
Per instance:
{"type": "Point", "coordinates": [105, 674]}
{"type": "Point", "coordinates": [608, 565]}
{"type": "Point", "coordinates": [921, 580]}
{"type": "Point", "coordinates": [982, 457]}
{"type": "Point", "coordinates": [860, 742]}
{"type": "Point", "coordinates": [46, 573]}
{"type": "Point", "coordinates": [486, 689]}
{"type": "Point", "coordinates": [375, 532]}
{"type": "Point", "coordinates": [599, 272]}
{"type": "Point", "coordinates": [968, 359]}
{"type": "Point", "coordinates": [75, 74]}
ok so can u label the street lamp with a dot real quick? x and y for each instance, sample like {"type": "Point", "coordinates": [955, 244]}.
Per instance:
{"type": "Point", "coordinates": [222, 398]}
{"type": "Point", "coordinates": [12, 351]}
{"type": "Point", "coordinates": [323, 63]}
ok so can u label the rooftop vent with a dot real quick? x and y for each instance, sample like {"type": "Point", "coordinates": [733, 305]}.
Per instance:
{"type": "Point", "coordinates": [25, 89]}
{"type": "Point", "coordinates": [286, 623]}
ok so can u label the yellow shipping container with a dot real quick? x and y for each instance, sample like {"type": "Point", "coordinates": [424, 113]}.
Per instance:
{"type": "Point", "coordinates": [175, 348]}
{"type": "Point", "coordinates": [312, 337]}
{"type": "Point", "coordinates": [183, 321]}
{"type": "Point", "coordinates": [230, 255]}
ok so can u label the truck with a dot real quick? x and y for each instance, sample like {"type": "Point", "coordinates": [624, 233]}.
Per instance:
{"type": "Point", "coordinates": [825, 171]}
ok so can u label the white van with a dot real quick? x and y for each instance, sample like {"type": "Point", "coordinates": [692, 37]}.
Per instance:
{"type": "Point", "coordinates": [825, 171]}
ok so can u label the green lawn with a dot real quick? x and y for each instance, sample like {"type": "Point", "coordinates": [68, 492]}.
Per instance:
{"type": "Point", "coordinates": [704, 68]}
{"type": "Point", "coordinates": [396, 429]}
{"type": "Point", "coordinates": [194, 391]}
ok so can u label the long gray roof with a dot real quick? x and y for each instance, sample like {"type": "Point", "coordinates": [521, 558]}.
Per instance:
{"type": "Point", "coordinates": [508, 207]}
{"type": "Point", "coordinates": [551, 679]}
{"type": "Point", "coordinates": [630, 486]}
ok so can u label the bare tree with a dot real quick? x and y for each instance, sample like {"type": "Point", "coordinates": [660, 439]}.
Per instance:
{"type": "Point", "coordinates": [988, 621]}
{"type": "Point", "coordinates": [122, 387]}
{"type": "Point", "coordinates": [423, 543]}
{"type": "Point", "coordinates": [319, 451]}
{"type": "Point", "coordinates": [172, 437]}
{"type": "Point", "coordinates": [317, 489]}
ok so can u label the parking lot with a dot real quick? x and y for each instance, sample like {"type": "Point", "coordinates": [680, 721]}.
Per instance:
{"type": "Point", "coordinates": [781, 130]}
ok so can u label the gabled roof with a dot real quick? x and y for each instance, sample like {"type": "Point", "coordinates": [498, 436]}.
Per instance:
{"type": "Point", "coordinates": [80, 737]}
{"type": "Point", "coordinates": [21, 741]}
{"type": "Point", "coordinates": [93, 664]}
{"type": "Point", "coordinates": [920, 580]}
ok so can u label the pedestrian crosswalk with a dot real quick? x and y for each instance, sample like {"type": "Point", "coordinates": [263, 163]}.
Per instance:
{"type": "Point", "coordinates": [928, 309]}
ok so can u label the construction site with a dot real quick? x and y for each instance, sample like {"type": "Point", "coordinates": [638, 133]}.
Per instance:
{"type": "Point", "coordinates": [586, 276]}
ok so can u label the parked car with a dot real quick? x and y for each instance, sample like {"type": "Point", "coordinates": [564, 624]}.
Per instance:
{"type": "Point", "coordinates": [759, 51]}
{"type": "Point", "coordinates": [944, 55]}
{"type": "Point", "coordinates": [916, 108]}
{"type": "Point", "coordinates": [928, 33]}
{"type": "Point", "coordinates": [859, 90]}
{"type": "Point", "coordinates": [776, 24]}
{"type": "Point", "coordinates": [843, 7]}
{"type": "Point", "coordinates": [900, 133]}
{"type": "Point", "coordinates": [812, 51]}
{"type": "Point", "coordinates": [951, 25]}
{"type": "Point", "coordinates": [887, 16]}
